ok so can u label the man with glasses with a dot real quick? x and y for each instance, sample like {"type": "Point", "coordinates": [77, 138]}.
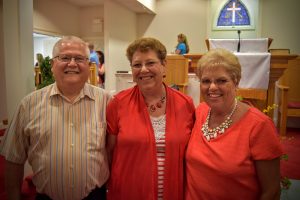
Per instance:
{"type": "Point", "coordinates": [61, 130]}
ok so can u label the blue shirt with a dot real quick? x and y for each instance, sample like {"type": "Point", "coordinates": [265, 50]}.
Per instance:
{"type": "Point", "coordinates": [181, 47]}
{"type": "Point", "coordinates": [94, 58]}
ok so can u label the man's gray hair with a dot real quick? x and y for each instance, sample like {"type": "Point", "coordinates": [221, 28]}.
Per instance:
{"type": "Point", "coordinates": [70, 38]}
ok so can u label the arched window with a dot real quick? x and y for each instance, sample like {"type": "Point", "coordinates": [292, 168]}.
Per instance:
{"type": "Point", "coordinates": [234, 13]}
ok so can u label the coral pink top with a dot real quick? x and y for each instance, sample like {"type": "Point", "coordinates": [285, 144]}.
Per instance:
{"type": "Point", "coordinates": [224, 167]}
{"type": "Point", "coordinates": [134, 171]}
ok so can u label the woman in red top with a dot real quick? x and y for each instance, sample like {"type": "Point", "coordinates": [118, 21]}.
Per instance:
{"type": "Point", "coordinates": [233, 152]}
{"type": "Point", "coordinates": [148, 127]}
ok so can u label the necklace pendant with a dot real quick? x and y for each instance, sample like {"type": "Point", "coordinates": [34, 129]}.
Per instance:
{"type": "Point", "coordinates": [158, 105]}
{"type": "Point", "coordinates": [152, 108]}
{"type": "Point", "coordinates": [207, 137]}
{"type": "Point", "coordinates": [215, 134]}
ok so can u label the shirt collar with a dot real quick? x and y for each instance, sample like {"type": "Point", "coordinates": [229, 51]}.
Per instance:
{"type": "Point", "coordinates": [85, 91]}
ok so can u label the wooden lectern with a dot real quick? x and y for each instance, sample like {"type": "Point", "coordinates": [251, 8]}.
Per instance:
{"type": "Point", "coordinates": [177, 72]}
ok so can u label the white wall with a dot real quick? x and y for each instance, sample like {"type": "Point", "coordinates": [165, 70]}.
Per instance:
{"type": "Point", "coordinates": [3, 109]}
{"type": "Point", "coordinates": [55, 17]}
{"type": "Point", "coordinates": [38, 47]}
{"type": "Point", "coordinates": [91, 25]}
{"type": "Point", "coordinates": [91, 21]}
{"type": "Point", "coordinates": [174, 17]}
{"type": "Point", "coordinates": [119, 31]}
{"type": "Point", "coordinates": [280, 21]}
{"type": "Point", "coordinates": [18, 54]}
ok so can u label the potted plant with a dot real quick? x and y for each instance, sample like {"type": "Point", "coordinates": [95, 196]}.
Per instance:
{"type": "Point", "coordinates": [47, 76]}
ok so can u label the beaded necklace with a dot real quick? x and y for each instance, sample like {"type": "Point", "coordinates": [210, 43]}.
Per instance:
{"type": "Point", "coordinates": [213, 133]}
{"type": "Point", "coordinates": [152, 107]}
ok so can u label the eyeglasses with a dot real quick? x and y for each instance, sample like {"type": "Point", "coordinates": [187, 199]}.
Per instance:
{"type": "Point", "coordinates": [148, 64]}
{"type": "Point", "coordinates": [68, 59]}
{"type": "Point", "coordinates": [217, 82]}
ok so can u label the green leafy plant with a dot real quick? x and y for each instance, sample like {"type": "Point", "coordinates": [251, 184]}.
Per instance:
{"type": "Point", "coordinates": [47, 76]}
{"type": "Point", "coordinates": [285, 182]}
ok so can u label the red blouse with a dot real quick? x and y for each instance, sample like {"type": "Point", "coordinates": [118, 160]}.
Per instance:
{"type": "Point", "coordinates": [134, 162]}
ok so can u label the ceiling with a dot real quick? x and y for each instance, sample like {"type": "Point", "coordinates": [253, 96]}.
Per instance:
{"type": "Point", "coordinates": [86, 2]}
{"type": "Point", "coordinates": [133, 5]}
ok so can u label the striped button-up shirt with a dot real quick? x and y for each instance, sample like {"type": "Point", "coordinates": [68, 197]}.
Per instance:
{"type": "Point", "coordinates": [63, 141]}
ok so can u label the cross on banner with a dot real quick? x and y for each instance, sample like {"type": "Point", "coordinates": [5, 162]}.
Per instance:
{"type": "Point", "coordinates": [233, 9]}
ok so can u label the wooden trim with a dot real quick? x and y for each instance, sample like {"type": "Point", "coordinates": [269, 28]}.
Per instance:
{"type": "Point", "coordinates": [252, 93]}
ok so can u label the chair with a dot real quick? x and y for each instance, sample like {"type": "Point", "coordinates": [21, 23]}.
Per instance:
{"type": "Point", "coordinates": [37, 76]}
{"type": "Point", "coordinates": [177, 72]}
{"type": "Point", "coordinates": [253, 97]}
{"type": "Point", "coordinates": [289, 95]}
{"type": "Point", "coordinates": [93, 74]}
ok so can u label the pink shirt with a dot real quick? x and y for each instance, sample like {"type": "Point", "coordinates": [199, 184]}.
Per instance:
{"type": "Point", "coordinates": [224, 167]}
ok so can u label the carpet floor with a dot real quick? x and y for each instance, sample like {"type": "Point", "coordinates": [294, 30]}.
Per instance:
{"type": "Point", "coordinates": [291, 146]}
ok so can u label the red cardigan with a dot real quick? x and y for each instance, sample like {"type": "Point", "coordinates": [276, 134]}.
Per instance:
{"type": "Point", "coordinates": [134, 164]}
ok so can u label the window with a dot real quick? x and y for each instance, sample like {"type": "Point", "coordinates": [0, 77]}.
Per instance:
{"type": "Point", "coordinates": [234, 13]}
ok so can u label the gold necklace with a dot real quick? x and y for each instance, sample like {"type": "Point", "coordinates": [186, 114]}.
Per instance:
{"type": "Point", "coordinates": [213, 133]}
{"type": "Point", "coordinates": [152, 107]}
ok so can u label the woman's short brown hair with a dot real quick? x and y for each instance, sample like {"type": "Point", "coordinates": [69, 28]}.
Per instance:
{"type": "Point", "coordinates": [144, 45]}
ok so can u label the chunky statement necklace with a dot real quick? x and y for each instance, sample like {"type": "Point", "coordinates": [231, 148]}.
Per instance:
{"type": "Point", "coordinates": [152, 107]}
{"type": "Point", "coordinates": [213, 133]}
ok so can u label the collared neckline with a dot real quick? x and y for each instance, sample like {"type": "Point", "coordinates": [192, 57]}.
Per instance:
{"type": "Point", "coordinates": [85, 91]}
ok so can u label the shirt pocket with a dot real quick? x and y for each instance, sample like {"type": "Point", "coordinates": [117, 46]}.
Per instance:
{"type": "Point", "coordinates": [97, 136]}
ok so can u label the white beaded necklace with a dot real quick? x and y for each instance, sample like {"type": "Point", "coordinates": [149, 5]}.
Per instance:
{"type": "Point", "coordinates": [213, 133]}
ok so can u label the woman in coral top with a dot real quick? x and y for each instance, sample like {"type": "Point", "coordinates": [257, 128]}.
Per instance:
{"type": "Point", "coordinates": [148, 127]}
{"type": "Point", "coordinates": [233, 152]}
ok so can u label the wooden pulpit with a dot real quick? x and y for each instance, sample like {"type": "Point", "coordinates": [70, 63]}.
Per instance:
{"type": "Point", "coordinates": [177, 71]}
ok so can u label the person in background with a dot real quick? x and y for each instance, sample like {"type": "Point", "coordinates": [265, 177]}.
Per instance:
{"type": "Point", "coordinates": [61, 130]}
{"type": "Point", "coordinates": [39, 58]}
{"type": "Point", "coordinates": [182, 46]}
{"type": "Point", "coordinates": [93, 56]}
{"type": "Point", "coordinates": [234, 151]}
{"type": "Point", "coordinates": [148, 127]}
{"type": "Point", "coordinates": [101, 70]}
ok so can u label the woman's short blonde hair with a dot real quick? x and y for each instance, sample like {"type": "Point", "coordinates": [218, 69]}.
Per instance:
{"type": "Point", "coordinates": [220, 58]}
